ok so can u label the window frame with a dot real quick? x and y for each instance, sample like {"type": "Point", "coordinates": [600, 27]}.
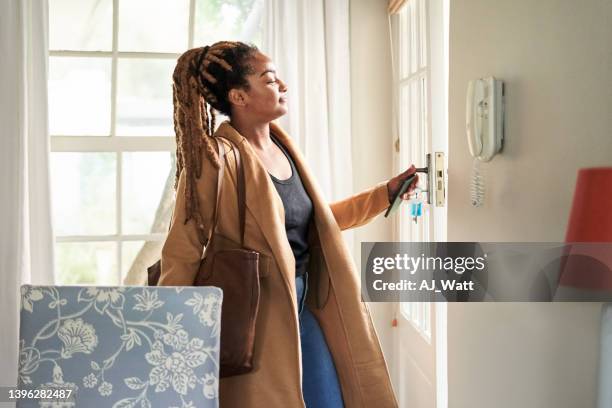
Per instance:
{"type": "Point", "coordinates": [117, 144]}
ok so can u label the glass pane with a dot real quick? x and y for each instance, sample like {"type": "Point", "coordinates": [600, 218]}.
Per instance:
{"type": "Point", "coordinates": [423, 109]}
{"type": "Point", "coordinates": [84, 25]}
{"type": "Point", "coordinates": [423, 30]}
{"type": "Point", "coordinates": [83, 187]}
{"type": "Point", "coordinates": [136, 257]}
{"type": "Point", "coordinates": [153, 25]}
{"type": "Point", "coordinates": [414, 38]}
{"type": "Point", "coordinates": [144, 97]}
{"type": "Point", "coordinates": [228, 20]}
{"type": "Point", "coordinates": [415, 126]}
{"type": "Point", "coordinates": [404, 119]}
{"type": "Point", "coordinates": [404, 42]}
{"type": "Point", "coordinates": [79, 96]}
{"type": "Point", "coordinates": [86, 263]}
{"type": "Point", "coordinates": [148, 192]}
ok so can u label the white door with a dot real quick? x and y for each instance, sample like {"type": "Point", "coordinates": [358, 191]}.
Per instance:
{"type": "Point", "coordinates": [420, 48]}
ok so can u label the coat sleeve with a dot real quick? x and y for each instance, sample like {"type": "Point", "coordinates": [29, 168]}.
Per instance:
{"type": "Point", "coordinates": [182, 250]}
{"type": "Point", "coordinates": [361, 208]}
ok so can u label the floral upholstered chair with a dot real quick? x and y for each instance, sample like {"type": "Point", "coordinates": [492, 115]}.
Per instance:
{"type": "Point", "coordinates": [129, 346]}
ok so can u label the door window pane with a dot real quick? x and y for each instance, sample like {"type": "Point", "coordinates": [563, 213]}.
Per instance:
{"type": "Point", "coordinates": [423, 31]}
{"type": "Point", "coordinates": [79, 96]}
{"type": "Point", "coordinates": [405, 33]}
{"type": "Point", "coordinates": [415, 35]}
{"type": "Point", "coordinates": [144, 97]}
{"type": "Point", "coordinates": [148, 192]}
{"type": "Point", "coordinates": [153, 25]}
{"type": "Point", "coordinates": [86, 263]}
{"type": "Point", "coordinates": [83, 186]}
{"type": "Point", "coordinates": [84, 25]}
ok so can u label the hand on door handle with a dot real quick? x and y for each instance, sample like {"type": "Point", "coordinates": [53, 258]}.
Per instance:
{"type": "Point", "coordinates": [395, 183]}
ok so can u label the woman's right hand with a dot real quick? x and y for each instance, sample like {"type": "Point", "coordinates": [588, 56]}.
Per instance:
{"type": "Point", "coordinates": [395, 183]}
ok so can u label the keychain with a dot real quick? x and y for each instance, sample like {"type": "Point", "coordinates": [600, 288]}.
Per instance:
{"type": "Point", "coordinates": [416, 207]}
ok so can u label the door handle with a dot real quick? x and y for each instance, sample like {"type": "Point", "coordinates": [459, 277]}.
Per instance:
{"type": "Point", "coordinates": [436, 182]}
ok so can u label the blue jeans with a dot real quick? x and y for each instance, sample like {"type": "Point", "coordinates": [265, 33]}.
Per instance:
{"type": "Point", "coordinates": [320, 385]}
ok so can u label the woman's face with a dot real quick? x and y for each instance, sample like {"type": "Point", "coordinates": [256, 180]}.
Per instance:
{"type": "Point", "coordinates": [266, 98]}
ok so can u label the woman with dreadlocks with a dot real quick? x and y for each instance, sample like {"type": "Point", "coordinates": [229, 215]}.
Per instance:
{"type": "Point", "coordinates": [315, 344]}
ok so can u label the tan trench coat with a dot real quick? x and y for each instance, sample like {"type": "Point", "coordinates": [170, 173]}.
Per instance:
{"type": "Point", "coordinates": [334, 290]}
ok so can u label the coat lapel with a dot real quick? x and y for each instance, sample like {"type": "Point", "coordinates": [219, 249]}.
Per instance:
{"type": "Point", "coordinates": [323, 216]}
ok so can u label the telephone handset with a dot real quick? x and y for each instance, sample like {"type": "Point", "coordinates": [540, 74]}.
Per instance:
{"type": "Point", "coordinates": [484, 127]}
{"type": "Point", "coordinates": [475, 96]}
{"type": "Point", "coordinates": [484, 117]}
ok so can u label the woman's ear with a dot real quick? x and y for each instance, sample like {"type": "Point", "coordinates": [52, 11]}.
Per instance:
{"type": "Point", "coordinates": [237, 97]}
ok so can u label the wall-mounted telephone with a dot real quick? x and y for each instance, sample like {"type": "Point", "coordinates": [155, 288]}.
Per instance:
{"type": "Point", "coordinates": [484, 127]}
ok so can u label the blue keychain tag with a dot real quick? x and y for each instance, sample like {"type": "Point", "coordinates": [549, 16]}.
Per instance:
{"type": "Point", "coordinates": [414, 208]}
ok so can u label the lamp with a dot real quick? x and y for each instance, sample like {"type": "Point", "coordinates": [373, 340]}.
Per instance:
{"type": "Point", "coordinates": [588, 265]}
{"type": "Point", "coordinates": [591, 221]}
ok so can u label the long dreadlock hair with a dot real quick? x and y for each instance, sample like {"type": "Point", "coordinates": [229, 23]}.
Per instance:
{"type": "Point", "coordinates": [202, 80]}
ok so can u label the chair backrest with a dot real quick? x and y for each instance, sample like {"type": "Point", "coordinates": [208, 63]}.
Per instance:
{"type": "Point", "coordinates": [122, 346]}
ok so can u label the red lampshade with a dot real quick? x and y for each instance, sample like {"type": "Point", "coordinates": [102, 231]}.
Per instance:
{"type": "Point", "coordinates": [591, 216]}
{"type": "Point", "coordinates": [589, 266]}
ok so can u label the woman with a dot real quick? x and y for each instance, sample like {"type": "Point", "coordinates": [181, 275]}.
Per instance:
{"type": "Point", "coordinates": [315, 343]}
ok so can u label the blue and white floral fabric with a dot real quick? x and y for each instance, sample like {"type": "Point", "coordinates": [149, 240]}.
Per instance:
{"type": "Point", "coordinates": [119, 347]}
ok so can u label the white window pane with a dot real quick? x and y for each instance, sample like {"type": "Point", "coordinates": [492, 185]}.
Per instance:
{"type": "Point", "coordinates": [84, 25]}
{"type": "Point", "coordinates": [415, 114]}
{"type": "Point", "coordinates": [414, 37]}
{"type": "Point", "coordinates": [423, 32]}
{"type": "Point", "coordinates": [79, 96]}
{"type": "Point", "coordinates": [129, 252]}
{"type": "Point", "coordinates": [153, 25]}
{"type": "Point", "coordinates": [137, 256]}
{"type": "Point", "coordinates": [236, 20]}
{"type": "Point", "coordinates": [404, 42]}
{"type": "Point", "coordinates": [404, 118]}
{"type": "Point", "coordinates": [144, 97]}
{"type": "Point", "coordinates": [148, 191]}
{"type": "Point", "coordinates": [83, 191]}
{"type": "Point", "coordinates": [86, 263]}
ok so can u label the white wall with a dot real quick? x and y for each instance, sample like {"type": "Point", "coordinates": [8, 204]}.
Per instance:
{"type": "Point", "coordinates": [371, 92]}
{"type": "Point", "coordinates": [555, 57]}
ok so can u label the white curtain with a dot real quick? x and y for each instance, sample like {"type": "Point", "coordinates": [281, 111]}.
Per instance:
{"type": "Point", "coordinates": [26, 236]}
{"type": "Point", "coordinates": [309, 43]}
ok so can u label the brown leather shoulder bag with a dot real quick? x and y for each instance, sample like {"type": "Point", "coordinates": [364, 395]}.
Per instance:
{"type": "Point", "coordinates": [235, 269]}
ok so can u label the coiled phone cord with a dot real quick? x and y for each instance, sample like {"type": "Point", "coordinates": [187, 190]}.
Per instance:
{"type": "Point", "coordinates": [477, 188]}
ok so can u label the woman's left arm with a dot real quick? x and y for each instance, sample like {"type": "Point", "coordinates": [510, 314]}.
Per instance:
{"type": "Point", "coordinates": [361, 208]}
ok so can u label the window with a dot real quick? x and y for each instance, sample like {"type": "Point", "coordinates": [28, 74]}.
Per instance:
{"type": "Point", "coordinates": [110, 119]}
{"type": "Point", "coordinates": [414, 127]}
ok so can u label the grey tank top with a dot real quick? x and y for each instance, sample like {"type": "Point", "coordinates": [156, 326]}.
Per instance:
{"type": "Point", "coordinates": [298, 212]}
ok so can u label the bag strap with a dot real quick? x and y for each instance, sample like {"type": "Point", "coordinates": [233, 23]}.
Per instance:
{"type": "Point", "coordinates": [219, 184]}
{"type": "Point", "coordinates": [241, 191]}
